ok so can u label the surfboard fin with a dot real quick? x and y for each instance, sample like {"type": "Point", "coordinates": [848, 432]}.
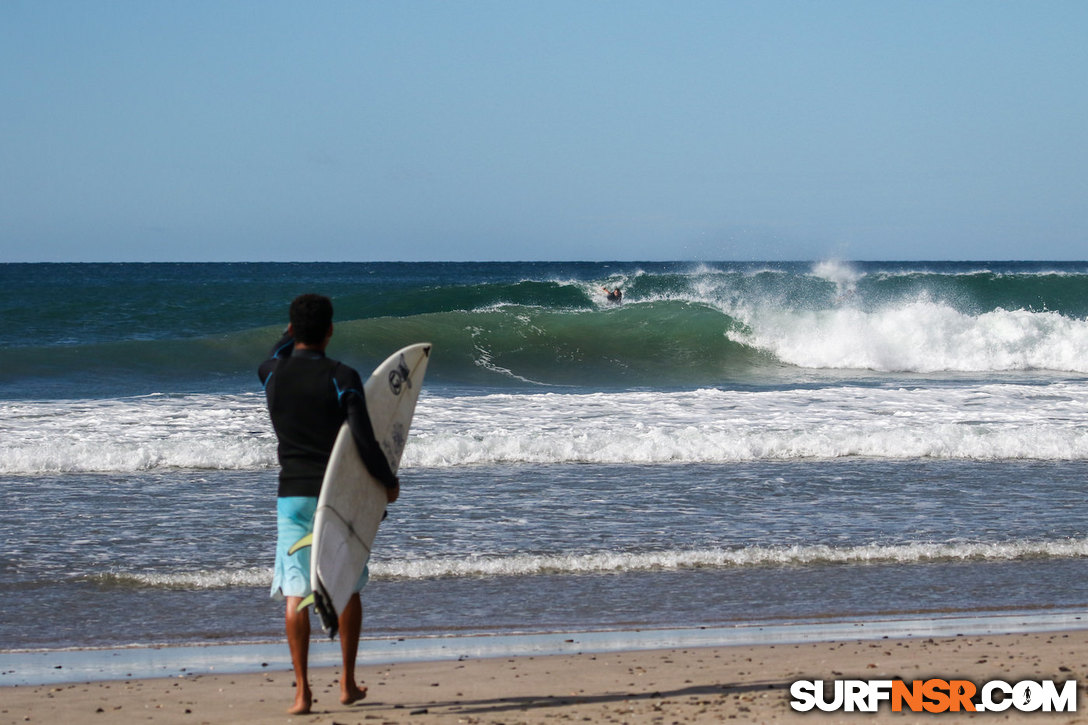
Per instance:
{"type": "Point", "coordinates": [305, 603]}
{"type": "Point", "coordinates": [323, 606]}
{"type": "Point", "coordinates": [302, 543]}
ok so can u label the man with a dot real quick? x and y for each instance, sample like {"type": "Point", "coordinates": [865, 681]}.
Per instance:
{"type": "Point", "coordinates": [309, 398]}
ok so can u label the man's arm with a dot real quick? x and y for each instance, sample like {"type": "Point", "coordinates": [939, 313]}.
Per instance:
{"type": "Point", "coordinates": [353, 401]}
{"type": "Point", "coordinates": [283, 348]}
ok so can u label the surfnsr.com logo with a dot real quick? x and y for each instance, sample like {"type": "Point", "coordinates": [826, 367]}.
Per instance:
{"type": "Point", "coordinates": [934, 695]}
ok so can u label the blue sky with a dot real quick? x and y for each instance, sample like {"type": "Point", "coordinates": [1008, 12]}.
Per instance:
{"type": "Point", "coordinates": [147, 130]}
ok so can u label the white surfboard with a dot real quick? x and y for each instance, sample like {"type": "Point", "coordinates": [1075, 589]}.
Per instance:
{"type": "Point", "coordinates": [352, 502]}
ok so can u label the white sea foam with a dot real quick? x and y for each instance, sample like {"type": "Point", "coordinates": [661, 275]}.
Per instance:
{"type": "Point", "coordinates": [919, 336]}
{"type": "Point", "coordinates": [843, 275]}
{"type": "Point", "coordinates": [207, 579]}
{"type": "Point", "coordinates": [983, 422]}
{"type": "Point", "coordinates": [755, 556]}
{"type": "Point", "coordinates": [619, 562]}
{"type": "Point", "coordinates": [966, 421]}
{"type": "Point", "coordinates": [136, 434]}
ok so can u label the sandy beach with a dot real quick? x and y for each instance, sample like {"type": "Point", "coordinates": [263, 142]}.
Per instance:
{"type": "Point", "coordinates": [699, 684]}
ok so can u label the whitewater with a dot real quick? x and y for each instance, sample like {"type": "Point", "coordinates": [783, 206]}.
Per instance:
{"type": "Point", "coordinates": [969, 421]}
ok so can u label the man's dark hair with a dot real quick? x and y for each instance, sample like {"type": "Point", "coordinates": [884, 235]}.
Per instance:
{"type": "Point", "coordinates": [311, 316]}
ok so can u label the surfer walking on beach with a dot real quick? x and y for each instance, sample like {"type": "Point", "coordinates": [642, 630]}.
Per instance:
{"type": "Point", "coordinates": [309, 398]}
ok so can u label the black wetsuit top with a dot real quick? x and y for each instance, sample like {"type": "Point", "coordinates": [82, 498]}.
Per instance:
{"type": "Point", "coordinates": [309, 398]}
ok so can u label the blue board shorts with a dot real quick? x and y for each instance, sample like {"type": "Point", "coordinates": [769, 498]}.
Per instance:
{"type": "Point", "coordinates": [294, 520]}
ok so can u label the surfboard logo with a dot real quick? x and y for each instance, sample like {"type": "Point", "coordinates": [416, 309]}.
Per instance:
{"type": "Point", "coordinates": [399, 377]}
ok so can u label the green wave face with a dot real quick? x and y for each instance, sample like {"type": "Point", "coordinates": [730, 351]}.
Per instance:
{"type": "Point", "coordinates": [672, 343]}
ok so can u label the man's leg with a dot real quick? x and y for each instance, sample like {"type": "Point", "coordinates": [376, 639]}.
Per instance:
{"type": "Point", "coordinates": [298, 639]}
{"type": "Point", "coordinates": [351, 625]}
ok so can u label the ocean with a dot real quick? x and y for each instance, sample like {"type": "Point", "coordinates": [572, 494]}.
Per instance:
{"type": "Point", "coordinates": [734, 443]}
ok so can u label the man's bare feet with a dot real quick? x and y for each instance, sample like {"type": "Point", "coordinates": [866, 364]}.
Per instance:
{"type": "Point", "coordinates": [351, 693]}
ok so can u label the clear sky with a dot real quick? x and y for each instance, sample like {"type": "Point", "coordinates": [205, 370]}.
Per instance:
{"type": "Point", "coordinates": [156, 130]}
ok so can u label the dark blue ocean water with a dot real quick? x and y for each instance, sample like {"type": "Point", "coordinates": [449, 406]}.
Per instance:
{"type": "Point", "coordinates": [732, 442]}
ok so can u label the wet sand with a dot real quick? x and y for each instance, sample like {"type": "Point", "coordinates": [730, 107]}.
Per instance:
{"type": "Point", "coordinates": [740, 683]}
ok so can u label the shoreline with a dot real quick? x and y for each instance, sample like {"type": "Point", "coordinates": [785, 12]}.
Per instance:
{"type": "Point", "coordinates": [712, 683]}
{"type": "Point", "coordinates": [49, 667]}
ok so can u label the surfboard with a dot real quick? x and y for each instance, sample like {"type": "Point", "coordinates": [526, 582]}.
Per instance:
{"type": "Point", "coordinates": [352, 502]}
